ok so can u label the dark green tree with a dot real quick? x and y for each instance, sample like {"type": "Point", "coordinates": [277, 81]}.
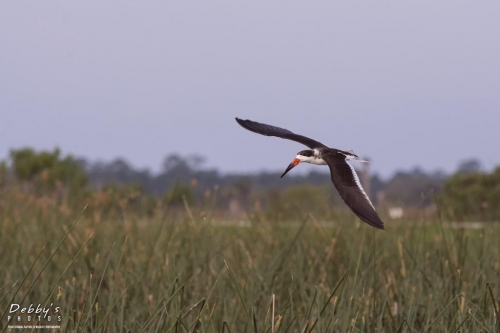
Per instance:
{"type": "Point", "coordinates": [3, 172]}
{"type": "Point", "coordinates": [47, 170]}
{"type": "Point", "coordinates": [178, 193]}
{"type": "Point", "coordinates": [471, 196]}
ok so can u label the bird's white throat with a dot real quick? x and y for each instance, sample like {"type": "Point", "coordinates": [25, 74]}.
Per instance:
{"type": "Point", "coordinates": [311, 159]}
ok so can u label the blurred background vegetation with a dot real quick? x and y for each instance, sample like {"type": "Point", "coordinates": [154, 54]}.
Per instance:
{"type": "Point", "coordinates": [117, 188]}
{"type": "Point", "coordinates": [193, 250]}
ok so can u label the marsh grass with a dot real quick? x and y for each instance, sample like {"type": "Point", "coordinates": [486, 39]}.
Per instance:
{"type": "Point", "coordinates": [197, 275]}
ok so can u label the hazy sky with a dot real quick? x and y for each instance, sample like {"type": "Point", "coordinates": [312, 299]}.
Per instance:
{"type": "Point", "coordinates": [405, 83]}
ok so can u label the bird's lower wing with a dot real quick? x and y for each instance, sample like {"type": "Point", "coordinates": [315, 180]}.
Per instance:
{"type": "Point", "coordinates": [347, 183]}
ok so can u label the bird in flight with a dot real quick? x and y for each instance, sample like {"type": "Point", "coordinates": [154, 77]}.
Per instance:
{"type": "Point", "coordinates": [344, 178]}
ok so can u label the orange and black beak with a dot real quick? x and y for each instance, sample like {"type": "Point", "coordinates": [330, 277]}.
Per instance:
{"type": "Point", "coordinates": [292, 165]}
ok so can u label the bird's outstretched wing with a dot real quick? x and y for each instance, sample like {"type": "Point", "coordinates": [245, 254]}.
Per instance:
{"type": "Point", "coordinates": [269, 130]}
{"type": "Point", "coordinates": [347, 183]}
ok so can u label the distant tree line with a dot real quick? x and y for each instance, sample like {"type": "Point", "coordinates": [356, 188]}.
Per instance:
{"type": "Point", "coordinates": [467, 194]}
{"type": "Point", "coordinates": [410, 188]}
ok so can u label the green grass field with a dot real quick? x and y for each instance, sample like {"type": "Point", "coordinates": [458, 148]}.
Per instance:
{"type": "Point", "coordinates": [197, 275]}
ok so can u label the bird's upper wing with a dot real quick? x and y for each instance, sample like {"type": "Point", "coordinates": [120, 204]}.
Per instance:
{"type": "Point", "coordinates": [269, 130]}
{"type": "Point", "coordinates": [346, 181]}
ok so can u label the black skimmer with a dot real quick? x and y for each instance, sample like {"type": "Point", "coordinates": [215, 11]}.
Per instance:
{"type": "Point", "coordinates": [343, 176]}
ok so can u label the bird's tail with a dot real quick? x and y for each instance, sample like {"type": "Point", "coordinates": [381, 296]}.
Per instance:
{"type": "Point", "coordinates": [357, 159]}
{"type": "Point", "coordinates": [350, 155]}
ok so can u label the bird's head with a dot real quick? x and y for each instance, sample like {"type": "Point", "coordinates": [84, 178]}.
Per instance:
{"type": "Point", "coordinates": [302, 156]}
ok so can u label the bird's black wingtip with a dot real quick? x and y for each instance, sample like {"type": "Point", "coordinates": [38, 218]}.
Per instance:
{"type": "Point", "coordinates": [240, 121]}
{"type": "Point", "coordinates": [376, 223]}
{"type": "Point", "coordinates": [247, 124]}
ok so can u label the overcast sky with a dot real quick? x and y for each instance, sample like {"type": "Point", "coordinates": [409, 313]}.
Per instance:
{"type": "Point", "coordinates": [406, 83]}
